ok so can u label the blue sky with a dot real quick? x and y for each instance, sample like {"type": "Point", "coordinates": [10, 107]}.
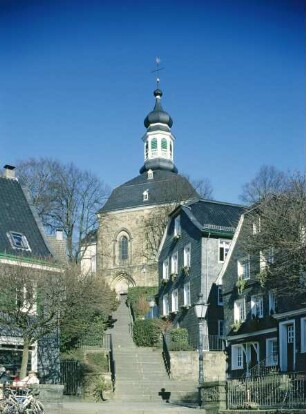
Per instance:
{"type": "Point", "coordinates": [76, 84]}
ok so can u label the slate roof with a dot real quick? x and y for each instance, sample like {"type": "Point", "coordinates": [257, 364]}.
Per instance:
{"type": "Point", "coordinates": [165, 187]}
{"type": "Point", "coordinates": [16, 215]}
{"type": "Point", "coordinates": [214, 215]}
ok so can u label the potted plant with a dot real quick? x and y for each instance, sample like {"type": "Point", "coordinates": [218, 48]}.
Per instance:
{"type": "Point", "coordinates": [241, 284]}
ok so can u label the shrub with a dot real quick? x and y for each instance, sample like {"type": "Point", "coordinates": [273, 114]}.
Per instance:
{"type": "Point", "coordinates": [146, 332]}
{"type": "Point", "coordinates": [179, 335]}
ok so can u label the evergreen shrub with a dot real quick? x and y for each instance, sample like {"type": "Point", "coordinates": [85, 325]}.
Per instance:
{"type": "Point", "coordinates": [146, 332]}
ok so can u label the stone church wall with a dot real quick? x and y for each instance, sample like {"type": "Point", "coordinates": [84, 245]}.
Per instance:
{"type": "Point", "coordinates": [140, 268]}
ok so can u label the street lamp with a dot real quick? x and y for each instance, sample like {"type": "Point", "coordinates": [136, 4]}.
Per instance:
{"type": "Point", "coordinates": [151, 303]}
{"type": "Point", "coordinates": [200, 310]}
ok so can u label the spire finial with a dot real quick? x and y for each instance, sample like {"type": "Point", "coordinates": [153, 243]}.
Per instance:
{"type": "Point", "coordinates": [157, 70]}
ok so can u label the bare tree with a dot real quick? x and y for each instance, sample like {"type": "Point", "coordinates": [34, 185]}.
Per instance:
{"type": "Point", "coordinates": [66, 198]}
{"type": "Point", "coordinates": [268, 181]}
{"type": "Point", "coordinates": [38, 298]}
{"type": "Point", "coordinates": [202, 186]}
{"type": "Point", "coordinates": [280, 239]}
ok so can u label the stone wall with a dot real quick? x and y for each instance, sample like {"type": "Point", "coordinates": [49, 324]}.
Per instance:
{"type": "Point", "coordinates": [139, 269]}
{"type": "Point", "coordinates": [185, 364]}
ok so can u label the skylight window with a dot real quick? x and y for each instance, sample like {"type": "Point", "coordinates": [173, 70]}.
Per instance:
{"type": "Point", "coordinates": [18, 241]}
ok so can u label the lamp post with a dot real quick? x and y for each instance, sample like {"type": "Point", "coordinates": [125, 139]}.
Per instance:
{"type": "Point", "coordinates": [151, 303]}
{"type": "Point", "coordinates": [200, 310]}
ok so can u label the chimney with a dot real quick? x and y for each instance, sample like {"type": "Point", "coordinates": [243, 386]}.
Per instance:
{"type": "Point", "coordinates": [9, 172]}
{"type": "Point", "coordinates": [59, 235]}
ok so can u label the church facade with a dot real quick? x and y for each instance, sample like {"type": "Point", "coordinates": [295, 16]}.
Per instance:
{"type": "Point", "coordinates": [132, 221]}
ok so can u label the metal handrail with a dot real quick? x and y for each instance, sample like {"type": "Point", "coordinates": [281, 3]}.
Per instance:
{"type": "Point", "coordinates": [166, 356]}
{"type": "Point", "coordinates": [112, 363]}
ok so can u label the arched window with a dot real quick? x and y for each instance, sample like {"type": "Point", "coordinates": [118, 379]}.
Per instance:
{"type": "Point", "coordinates": [164, 144]}
{"type": "Point", "coordinates": [170, 150]}
{"type": "Point", "coordinates": [123, 248]}
{"type": "Point", "coordinates": [154, 144]}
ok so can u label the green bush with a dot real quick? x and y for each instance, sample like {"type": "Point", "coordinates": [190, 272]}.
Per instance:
{"type": "Point", "coordinates": [179, 340]}
{"type": "Point", "coordinates": [146, 332]}
{"type": "Point", "coordinates": [179, 335]}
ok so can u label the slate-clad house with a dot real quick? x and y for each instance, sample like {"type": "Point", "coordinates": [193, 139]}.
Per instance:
{"type": "Point", "coordinates": [264, 332]}
{"type": "Point", "coordinates": [23, 243]}
{"type": "Point", "coordinates": [192, 252]}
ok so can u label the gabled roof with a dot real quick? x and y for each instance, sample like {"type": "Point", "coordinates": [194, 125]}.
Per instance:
{"type": "Point", "coordinates": [165, 187]}
{"type": "Point", "coordinates": [16, 215]}
{"type": "Point", "coordinates": [210, 215]}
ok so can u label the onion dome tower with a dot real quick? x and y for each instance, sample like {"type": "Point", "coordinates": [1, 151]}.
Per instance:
{"type": "Point", "coordinates": [158, 140]}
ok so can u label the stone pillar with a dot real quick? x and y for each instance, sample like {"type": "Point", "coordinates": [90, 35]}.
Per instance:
{"type": "Point", "coordinates": [213, 396]}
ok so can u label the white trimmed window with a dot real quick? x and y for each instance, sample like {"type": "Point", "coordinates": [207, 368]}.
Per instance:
{"type": "Point", "coordinates": [272, 302]}
{"type": "Point", "coordinates": [18, 241]}
{"type": "Point", "coordinates": [257, 306]}
{"type": "Point", "coordinates": [303, 334]}
{"type": "Point", "coordinates": [174, 264]}
{"type": "Point", "coordinates": [271, 352]}
{"type": "Point", "coordinates": [220, 296]}
{"type": "Point", "coordinates": [165, 305]}
{"type": "Point", "coordinates": [187, 255]}
{"type": "Point", "coordinates": [220, 327]}
{"type": "Point", "coordinates": [174, 301]}
{"type": "Point", "coordinates": [166, 269]}
{"type": "Point", "coordinates": [224, 246]}
{"type": "Point", "coordinates": [256, 225]}
{"type": "Point", "coordinates": [145, 195]}
{"type": "Point", "coordinates": [237, 357]}
{"type": "Point", "coordinates": [177, 226]}
{"type": "Point", "coordinates": [243, 268]}
{"type": "Point", "coordinates": [239, 310]}
{"type": "Point", "coordinates": [187, 300]}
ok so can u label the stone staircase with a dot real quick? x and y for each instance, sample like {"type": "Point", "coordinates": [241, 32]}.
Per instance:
{"type": "Point", "coordinates": [140, 372]}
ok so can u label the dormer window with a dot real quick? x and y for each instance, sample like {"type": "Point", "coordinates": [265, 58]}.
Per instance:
{"type": "Point", "coordinates": [150, 175]}
{"type": "Point", "coordinates": [18, 241]}
{"type": "Point", "coordinates": [177, 227]}
{"type": "Point", "coordinates": [145, 195]}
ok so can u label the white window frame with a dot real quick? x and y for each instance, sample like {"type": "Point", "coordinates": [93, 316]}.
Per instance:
{"type": "Point", "coordinates": [187, 297]}
{"type": "Point", "coordinates": [272, 302]}
{"type": "Point", "coordinates": [256, 226]}
{"type": "Point", "coordinates": [177, 226]}
{"type": "Point", "coordinates": [271, 352]}
{"type": "Point", "coordinates": [22, 243]}
{"type": "Point", "coordinates": [174, 301]}
{"type": "Point", "coordinates": [257, 306]}
{"type": "Point", "coordinates": [166, 269]}
{"type": "Point", "coordinates": [174, 263]}
{"type": "Point", "coordinates": [165, 305]}
{"type": "Point", "coordinates": [244, 268]}
{"type": "Point", "coordinates": [220, 296]}
{"type": "Point", "coordinates": [187, 255]}
{"type": "Point", "coordinates": [303, 335]}
{"type": "Point", "coordinates": [224, 246]}
{"type": "Point", "coordinates": [237, 360]}
{"type": "Point", "coordinates": [239, 310]}
{"type": "Point", "coordinates": [145, 195]}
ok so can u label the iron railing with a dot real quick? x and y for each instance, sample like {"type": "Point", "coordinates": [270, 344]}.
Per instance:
{"type": "Point", "coordinates": [275, 390]}
{"type": "Point", "coordinates": [112, 364]}
{"type": "Point", "coordinates": [166, 356]}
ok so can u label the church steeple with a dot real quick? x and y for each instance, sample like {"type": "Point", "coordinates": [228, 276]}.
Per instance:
{"type": "Point", "coordinates": [158, 140]}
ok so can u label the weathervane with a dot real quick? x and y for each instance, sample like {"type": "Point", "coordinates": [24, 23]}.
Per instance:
{"type": "Point", "coordinates": [157, 70]}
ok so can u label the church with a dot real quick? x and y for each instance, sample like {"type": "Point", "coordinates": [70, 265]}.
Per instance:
{"type": "Point", "coordinates": [132, 222]}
